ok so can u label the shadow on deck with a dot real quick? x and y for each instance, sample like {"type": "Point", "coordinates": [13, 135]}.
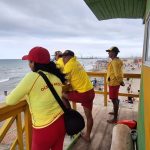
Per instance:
{"type": "Point", "coordinates": [102, 131]}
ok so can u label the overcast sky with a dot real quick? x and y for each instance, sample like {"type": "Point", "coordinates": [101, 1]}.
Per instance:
{"type": "Point", "coordinates": [64, 24]}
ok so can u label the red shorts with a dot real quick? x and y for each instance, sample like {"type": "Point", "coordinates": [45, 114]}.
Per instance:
{"type": "Point", "coordinates": [113, 92]}
{"type": "Point", "coordinates": [51, 137]}
{"type": "Point", "coordinates": [86, 98]}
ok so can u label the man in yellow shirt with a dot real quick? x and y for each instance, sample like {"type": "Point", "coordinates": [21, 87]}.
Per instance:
{"type": "Point", "coordinates": [114, 80]}
{"type": "Point", "coordinates": [82, 88]}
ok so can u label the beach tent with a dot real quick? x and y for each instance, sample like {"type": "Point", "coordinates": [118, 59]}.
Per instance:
{"type": "Point", "coordinates": [110, 9]}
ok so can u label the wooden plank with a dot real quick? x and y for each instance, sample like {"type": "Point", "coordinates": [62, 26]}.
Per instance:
{"type": "Point", "coordinates": [134, 5]}
{"type": "Point", "coordinates": [81, 143]}
{"type": "Point", "coordinates": [120, 94]}
{"type": "Point", "coordinates": [5, 108]}
{"type": "Point", "coordinates": [127, 8]}
{"type": "Point", "coordinates": [126, 75]}
{"type": "Point", "coordinates": [19, 131]}
{"type": "Point", "coordinates": [13, 146]}
{"type": "Point", "coordinates": [130, 8]}
{"type": "Point", "coordinates": [99, 126]}
{"type": "Point", "coordinates": [96, 9]}
{"type": "Point", "coordinates": [99, 10]}
{"type": "Point", "coordinates": [129, 94]}
{"type": "Point", "coordinates": [105, 92]}
{"type": "Point", "coordinates": [102, 131]}
{"type": "Point", "coordinates": [102, 5]}
{"type": "Point", "coordinates": [113, 8]}
{"type": "Point", "coordinates": [96, 74]}
{"type": "Point", "coordinates": [28, 128]}
{"type": "Point", "coordinates": [118, 5]}
{"type": "Point", "coordinates": [125, 114]}
{"type": "Point", "coordinates": [109, 9]}
{"type": "Point", "coordinates": [11, 113]}
{"type": "Point", "coordinates": [106, 142]}
{"type": "Point", "coordinates": [122, 10]}
{"type": "Point", "coordinates": [117, 8]}
{"type": "Point", "coordinates": [141, 8]}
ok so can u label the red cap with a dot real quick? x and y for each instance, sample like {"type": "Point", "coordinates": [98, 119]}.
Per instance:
{"type": "Point", "coordinates": [38, 55]}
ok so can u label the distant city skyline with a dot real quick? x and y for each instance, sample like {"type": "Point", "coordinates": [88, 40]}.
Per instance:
{"type": "Point", "coordinates": [65, 24]}
{"type": "Point", "coordinates": [88, 57]}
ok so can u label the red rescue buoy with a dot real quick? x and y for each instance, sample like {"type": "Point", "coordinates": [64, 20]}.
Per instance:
{"type": "Point", "coordinates": [130, 123]}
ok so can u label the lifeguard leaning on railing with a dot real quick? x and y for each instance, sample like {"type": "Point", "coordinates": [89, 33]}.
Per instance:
{"type": "Point", "coordinates": [47, 116]}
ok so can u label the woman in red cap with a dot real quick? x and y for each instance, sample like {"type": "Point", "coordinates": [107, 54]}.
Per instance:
{"type": "Point", "coordinates": [47, 116]}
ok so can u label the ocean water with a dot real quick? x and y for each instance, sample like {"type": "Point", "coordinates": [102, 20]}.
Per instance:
{"type": "Point", "coordinates": [13, 70]}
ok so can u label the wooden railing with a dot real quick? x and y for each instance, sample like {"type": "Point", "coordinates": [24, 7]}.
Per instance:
{"type": "Point", "coordinates": [105, 92]}
{"type": "Point", "coordinates": [9, 114]}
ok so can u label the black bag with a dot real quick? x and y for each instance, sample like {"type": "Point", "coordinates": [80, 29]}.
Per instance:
{"type": "Point", "coordinates": [74, 122]}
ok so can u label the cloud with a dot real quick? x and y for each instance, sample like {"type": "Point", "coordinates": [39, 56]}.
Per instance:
{"type": "Point", "coordinates": [64, 25]}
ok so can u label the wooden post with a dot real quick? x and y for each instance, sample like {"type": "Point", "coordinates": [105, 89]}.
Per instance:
{"type": "Point", "coordinates": [19, 131]}
{"type": "Point", "coordinates": [28, 128]}
{"type": "Point", "coordinates": [105, 91]}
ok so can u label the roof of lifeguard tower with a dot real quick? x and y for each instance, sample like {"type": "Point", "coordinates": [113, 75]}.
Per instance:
{"type": "Point", "coordinates": [109, 9]}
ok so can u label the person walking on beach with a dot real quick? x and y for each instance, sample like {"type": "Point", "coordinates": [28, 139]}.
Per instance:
{"type": "Point", "coordinates": [82, 88]}
{"type": "Point", "coordinates": [95, 82]}
{"type": "Point", "coordinates": [47, 116]}
{"type": "Point", "coordinates": [114, 80]}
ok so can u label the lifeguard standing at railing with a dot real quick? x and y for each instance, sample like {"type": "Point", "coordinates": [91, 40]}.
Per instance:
{"type": "Point", "coordinates": [114, 80]}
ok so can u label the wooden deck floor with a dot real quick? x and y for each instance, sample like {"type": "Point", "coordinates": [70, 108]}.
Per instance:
{"type": "Point", "coordinates": [102, 131]}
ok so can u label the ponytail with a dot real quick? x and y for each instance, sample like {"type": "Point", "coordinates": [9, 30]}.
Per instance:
{"type": "Point", "coordinates": [51, 68]}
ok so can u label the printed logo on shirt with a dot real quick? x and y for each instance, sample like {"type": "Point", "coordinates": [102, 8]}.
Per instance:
{"type": "Point", "coordinates": [54, 84]}
{"type": "Point", "coordinates": [44, 88]}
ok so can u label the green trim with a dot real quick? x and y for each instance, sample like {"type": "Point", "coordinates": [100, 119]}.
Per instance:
{"type": "Point", "coordinates": [141, 129]}
{"type": "Point", "coordinates": [75, 138]}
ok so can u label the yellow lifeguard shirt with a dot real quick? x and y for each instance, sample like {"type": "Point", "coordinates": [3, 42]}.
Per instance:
{"type": "Point", "coordinates": [42, 104]}
{"type": "Point", "coordinates": [77, 76]}
{"type": "Point", "coordinates": [115, 72]}
{"type": "Point", "coordinates": [60, 64]}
